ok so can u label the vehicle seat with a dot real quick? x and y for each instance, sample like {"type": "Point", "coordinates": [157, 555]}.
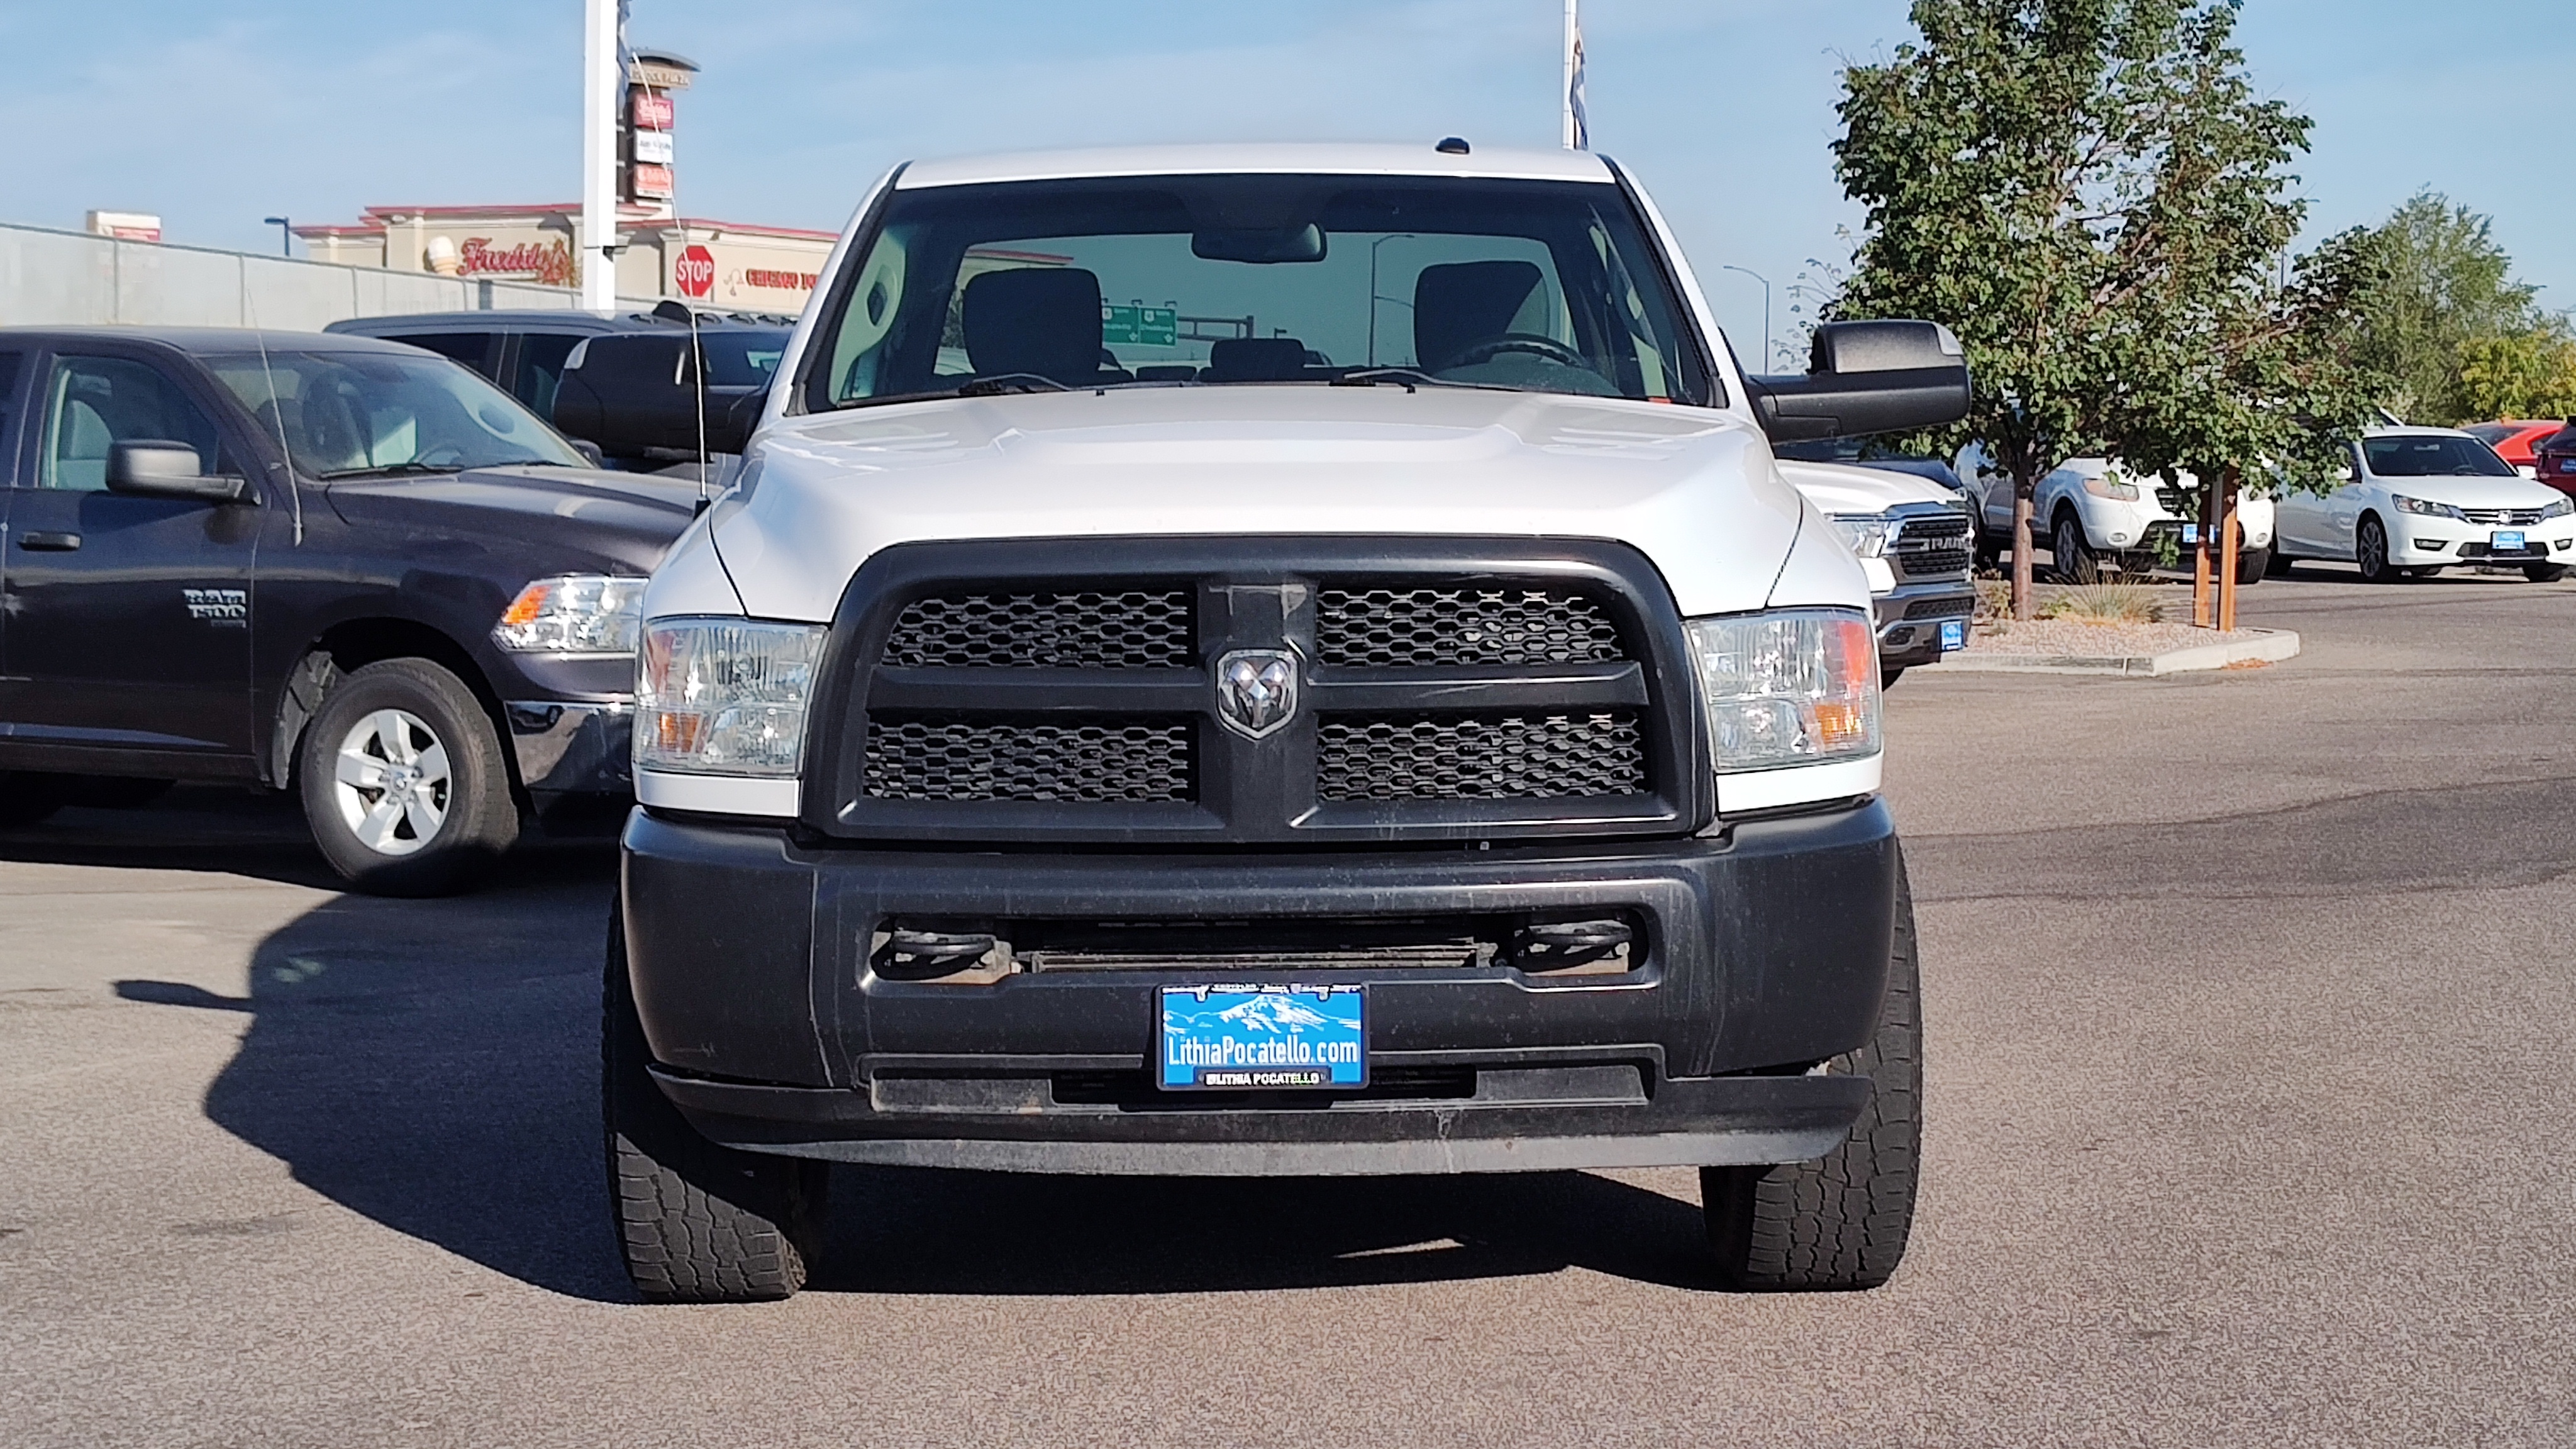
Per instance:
{"type": "Point", "coordinates": [1460, 303]}
{"type": "Point", "coordinates": [1041, 320]}
{"type": "Point", "coordinates": [1256, 359]}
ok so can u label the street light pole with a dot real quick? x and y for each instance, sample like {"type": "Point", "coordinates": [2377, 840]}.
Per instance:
{"type": "Point", "coordinates": [285, 234]}
{"type": "Point", "coordinates": [601, 94]}
{"type": "Point", "coordinates": [1766, 307]}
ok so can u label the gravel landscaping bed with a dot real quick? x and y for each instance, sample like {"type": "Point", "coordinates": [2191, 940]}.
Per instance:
{"type": "Point", "coordinates": [2074, 638]}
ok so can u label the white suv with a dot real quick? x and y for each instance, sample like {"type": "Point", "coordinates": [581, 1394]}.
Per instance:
{"type": "Point", "coordinates": [2089, 512]}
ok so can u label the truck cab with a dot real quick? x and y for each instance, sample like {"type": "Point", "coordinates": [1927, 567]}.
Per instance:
{"type": "Point", "coordinates": [1269, 660]}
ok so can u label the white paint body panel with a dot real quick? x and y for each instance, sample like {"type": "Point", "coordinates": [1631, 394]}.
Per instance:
{"type": "Point", "coordinates": [1325, 158]}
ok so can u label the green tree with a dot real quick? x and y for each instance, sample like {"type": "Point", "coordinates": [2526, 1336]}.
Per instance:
{"type": "Point", "coordinates": [2088, 192]}
{"type": "Point", "coordinates": [2444, 284]}
{"type": "Point", "coordinates": [2527, 374]}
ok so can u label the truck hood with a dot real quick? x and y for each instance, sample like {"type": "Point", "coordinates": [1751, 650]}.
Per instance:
{"type": "Point", "coordinates": [1859, 488]}
{"type": "Point", "coordinates": [1695, 490]}
{"type": "Point", "coordinates": [618, 521]}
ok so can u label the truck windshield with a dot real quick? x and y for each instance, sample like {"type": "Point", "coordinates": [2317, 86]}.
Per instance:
{"type": "Point", "coordinates": [1224, 279]}
{"type": "Point", "coordinates": [342, 414]}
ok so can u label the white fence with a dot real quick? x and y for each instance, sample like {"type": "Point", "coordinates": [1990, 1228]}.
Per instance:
{"type": "Point", "coordinates": [70, 278]}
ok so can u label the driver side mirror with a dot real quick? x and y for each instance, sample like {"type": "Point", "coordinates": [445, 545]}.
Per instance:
{"type": "Point", "coordinates": [1867, 377]}
{"type": "Point", "coordinates": [153, 468]}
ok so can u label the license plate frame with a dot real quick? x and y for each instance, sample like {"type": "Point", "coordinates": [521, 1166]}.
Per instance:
{"type": "Point", "coordinates": [1234, 1036]}
{"type": "Point", "coordinates": [2506, 540]}
{"type": "Point", "coordinates": [1954, 635]}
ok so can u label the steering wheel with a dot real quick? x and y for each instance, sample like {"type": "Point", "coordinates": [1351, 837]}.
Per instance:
{"type": "Point", "coordinates": [1486, 349]}
{"type": "Point", "coordinates": [440, 457]}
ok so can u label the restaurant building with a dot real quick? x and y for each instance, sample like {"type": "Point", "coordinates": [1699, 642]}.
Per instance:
{"type": "Point", "coordinates": [724, 265]}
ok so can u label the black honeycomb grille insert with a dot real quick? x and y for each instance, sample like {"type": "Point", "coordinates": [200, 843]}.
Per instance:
{"type": "Point", "coordinates": [1926, 563]}
{"type": "Point", "coordinates": [1468, 757]}
{"type": "Point", "coordinates": [1357, 627]}
{"type": "Point", "coordinates": [1122, 629]}
{"type": "Point", "coordinates": [1095, 761]}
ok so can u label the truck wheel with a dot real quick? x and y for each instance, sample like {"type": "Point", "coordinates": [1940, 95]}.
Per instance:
{"type": "Point", "coordinates": [696, 1222]}
{"type": "Point", "coordinates": [28, 797]}
{"type": "Point", "coordinates": [2253, 566]}
{"type": "Point", "coordinates": [2075, 560]}
{"type": "Point", "coordinates": [1840, 1223]}
{"type": "Point", "coordinates": [2548, 573]}
{"type": "Point", "coordinates": [404, 784]}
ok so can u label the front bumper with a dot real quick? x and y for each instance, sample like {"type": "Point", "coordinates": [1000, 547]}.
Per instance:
{"type": "Point", "coordinates": [1909, 621]}
{"type": "Point", "coordinates": [572, 747]}
{"type": "Point", "coordinates": [1762, 952]}
{"type": "Point", "coordinates": [2473, 544]}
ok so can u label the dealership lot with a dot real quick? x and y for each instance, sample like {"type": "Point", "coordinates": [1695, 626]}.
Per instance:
{"type": "Point", "coordinates": [2248, 1002]}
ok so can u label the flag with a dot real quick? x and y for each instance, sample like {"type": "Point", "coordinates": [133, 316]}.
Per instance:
{"type": "Point", "coordinates": [1578, 127]}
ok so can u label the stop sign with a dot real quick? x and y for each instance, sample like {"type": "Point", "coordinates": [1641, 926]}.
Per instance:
{"type": "Point", "coordinates": [695, 271]}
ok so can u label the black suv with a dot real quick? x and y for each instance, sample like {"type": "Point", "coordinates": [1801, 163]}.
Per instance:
{"type": "Point", "coordinates": [312, 562]}
{"type": "Point", "coordinates": [529, 353]}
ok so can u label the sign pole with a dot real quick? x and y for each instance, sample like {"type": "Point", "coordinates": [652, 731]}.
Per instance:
{"type": "Point", "coordinates": [601, 94]}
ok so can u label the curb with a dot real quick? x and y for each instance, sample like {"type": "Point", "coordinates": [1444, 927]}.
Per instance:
{"type": "Point", "coordinates": [2268, 645]}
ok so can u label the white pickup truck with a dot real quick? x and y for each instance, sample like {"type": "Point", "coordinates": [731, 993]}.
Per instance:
{"type": "Point", "coordinates": [1917, 546]}
{"type": "Point", "coordinates": [1269, 660]}
{"type": "Point", "coordinates": [2090, 513]}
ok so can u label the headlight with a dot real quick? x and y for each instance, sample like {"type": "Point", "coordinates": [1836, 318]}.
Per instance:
{"type": "Point", "coordinates": [2116, 489]}
{"type": "Point", "coordinates": [573, 614]}
{"type": "Point", "coordinates": [2425, 507]}
{"type": "Point", "coordinates": [1865, 534]}
{"type": "Point", "coordinates": [2559, 507]}
{"type": "Point", "coordinates": [724, 696]}
{"type": "Point", "coordinates": [1795, 687]}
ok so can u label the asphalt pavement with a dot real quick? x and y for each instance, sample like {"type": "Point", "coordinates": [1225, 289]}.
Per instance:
{"type": "Point", "coordinates": [2249, 1013]}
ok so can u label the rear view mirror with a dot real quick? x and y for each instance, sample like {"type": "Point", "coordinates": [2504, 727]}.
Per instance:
{"type": "Point", "coordinates": [155, 468]}
{"type": "Point", "coordinates": [636, 394]}
{"type": "Point", "coordinates": [1260, 244]}
{"type": "Point", "coordinates": [1867, 377]}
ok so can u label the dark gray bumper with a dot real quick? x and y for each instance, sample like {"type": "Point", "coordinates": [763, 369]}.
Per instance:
{"type": "Point", "coordinates": [572, 747]}
{"type": "Point", "coordinates": [1909, 620]}
{"type": "Point", "coordinates": [1764, 952]}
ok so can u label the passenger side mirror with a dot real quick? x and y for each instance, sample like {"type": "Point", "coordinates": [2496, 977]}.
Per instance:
{"type": "Point", "coordinates": [157, 469]}
{"type": "Point", "coordinates": [1867, 377]}
{"type": "Point", "coordinates": [636, 395]}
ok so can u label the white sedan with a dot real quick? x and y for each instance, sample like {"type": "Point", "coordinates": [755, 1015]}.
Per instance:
{"type": "Point", "coordinates": [2420, 499]}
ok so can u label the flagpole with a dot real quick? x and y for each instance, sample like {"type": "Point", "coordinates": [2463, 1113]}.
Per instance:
{"type": "Point", "coordinates": [1573, 73]}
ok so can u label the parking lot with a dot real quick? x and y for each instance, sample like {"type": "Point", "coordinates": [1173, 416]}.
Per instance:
{"type": "Point", "coordinates": [2249, 1001]}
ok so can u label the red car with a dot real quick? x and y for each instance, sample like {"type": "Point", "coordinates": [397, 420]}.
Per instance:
{"type": "Point", "coordinates": [2553, 459]}
{"type": "Point", "coordinates": [2514, 441]}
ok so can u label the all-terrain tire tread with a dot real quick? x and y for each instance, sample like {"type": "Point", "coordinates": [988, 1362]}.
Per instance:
{"type": "Point", "coordinates": [697, 1222]}
{"type": "Point", "coordinates": [1841, 1222]}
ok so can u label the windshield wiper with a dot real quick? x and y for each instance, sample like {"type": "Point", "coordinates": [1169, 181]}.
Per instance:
{"type": "Point", "coordinates": [391, 470]}
{"type": "Point", "coordinates": [1410, 378]}
{"type": "Point", "coordinates": [1009, 382]}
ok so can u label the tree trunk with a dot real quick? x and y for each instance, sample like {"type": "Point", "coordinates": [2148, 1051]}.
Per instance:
{"type": "Point", "coordinates": [2023, 490]}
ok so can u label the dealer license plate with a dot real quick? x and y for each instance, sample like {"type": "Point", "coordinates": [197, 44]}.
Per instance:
{"type": "Point", "coordinates": [1231, 1037]}
{"type": "Point", "coordinates": [2510, 539]}
{"type": "Point", "coordinates": [1954, 634]}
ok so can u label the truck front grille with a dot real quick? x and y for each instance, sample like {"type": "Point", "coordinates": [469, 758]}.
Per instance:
{"type": "Point", "coordinates": [1078, 629]}
{"type": "Point", "coordinates": [1071, 690]}
{"type": "Point", "coordinates": [1386, 627]}
{"type": "Point", "coordinates": [1074, 761]}
{"type": "Point", "coordinates": [1464, 757]}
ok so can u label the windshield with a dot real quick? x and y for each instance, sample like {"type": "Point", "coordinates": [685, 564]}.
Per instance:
{"type": "Point", "coordinates": [1223, 280]}
{"type": "Point", "coordinates": [2434, 456]}
{"type": "Point", "coordinates": [345, 413]}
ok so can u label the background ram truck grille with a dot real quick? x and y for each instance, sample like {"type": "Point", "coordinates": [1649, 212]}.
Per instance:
{"type": "Point", "coordinates": [1394, 626]}
{"type": "Point", "coordinates": [1931, 563]}
{"type": "Point", "coordinates": [1127, 629]}
{"type": "Point", "coordinates": [1463, 757]}
{"type": "Point", "coordinates": [1093, 760]}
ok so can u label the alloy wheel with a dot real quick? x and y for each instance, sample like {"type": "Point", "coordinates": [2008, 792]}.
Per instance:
{"type": "Point", "coordinates": [2370, 550]}
{"type": "Point", "coordinates": [392, 782]}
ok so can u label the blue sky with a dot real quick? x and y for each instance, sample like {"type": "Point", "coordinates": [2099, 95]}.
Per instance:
{"type": "Point", "coordinates": [216, 115]}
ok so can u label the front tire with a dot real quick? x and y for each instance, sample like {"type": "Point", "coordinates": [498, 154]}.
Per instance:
{"type": "Point", "coordinates": [28, 797]}
{"type": "Point", "coordinates": [2370, 550]}
{"type": "Point", "coordinates": [404, 783]}
{"type": "Point", "coordinates": [2253, 566]}
{"type": "Point", "coordinates": [2276, 564]}
{"type": "Point", "coordinates": [2544, 573]}
{"type": "Point", "coordinates": [696, 1222]}
{"type": "Point", "coordinates": [2075, 560]}
{"type": "Point", "coordinates": [1840, 1223]}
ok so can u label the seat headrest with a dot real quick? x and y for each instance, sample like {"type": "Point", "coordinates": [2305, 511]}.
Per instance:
{"type": "Point", "coordinates": [1044, 320]}
{"type": "Point", "coordinates": [1256, 359]}
{"type": "Point", "coordinates": [1459, 303]}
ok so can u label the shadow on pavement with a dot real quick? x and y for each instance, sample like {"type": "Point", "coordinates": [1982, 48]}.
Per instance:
{"type": "Point", "coordinates": [433, 1065]}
